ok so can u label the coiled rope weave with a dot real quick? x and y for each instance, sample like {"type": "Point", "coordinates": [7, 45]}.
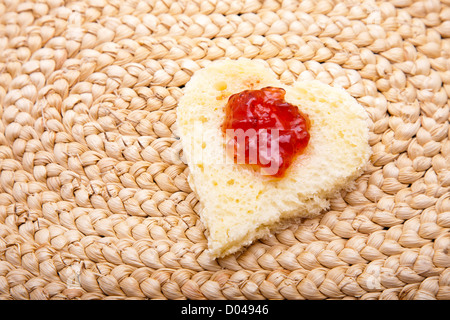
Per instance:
{"type": "Point", "coordinates": [93, 205]}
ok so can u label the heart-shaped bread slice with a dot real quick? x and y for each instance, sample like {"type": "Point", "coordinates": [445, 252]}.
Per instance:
{"type": "Point", "coordinates": [239, 204]}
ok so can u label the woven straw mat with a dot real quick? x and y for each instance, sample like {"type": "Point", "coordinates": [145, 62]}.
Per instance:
{"type": "Point", "coordinates": [93, 205]}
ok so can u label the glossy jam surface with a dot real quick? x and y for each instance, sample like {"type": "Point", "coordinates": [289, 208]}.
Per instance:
{"type": "Point", "coordinates": [273, 131]}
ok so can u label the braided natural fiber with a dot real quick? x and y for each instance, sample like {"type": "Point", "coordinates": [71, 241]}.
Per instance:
{"type": "Point", "coordinates": [94, 204]}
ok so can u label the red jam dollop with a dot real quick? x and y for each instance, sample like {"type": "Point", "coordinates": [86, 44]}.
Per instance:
{"type": "Point", "coordinates": [273, 131]}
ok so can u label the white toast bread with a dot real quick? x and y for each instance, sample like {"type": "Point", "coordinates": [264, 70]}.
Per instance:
{"type": "Point", "coordinates": [239, 204]}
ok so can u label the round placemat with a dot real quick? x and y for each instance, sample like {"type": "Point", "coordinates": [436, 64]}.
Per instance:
{"type": "Point", "coordinates": [94, 205]}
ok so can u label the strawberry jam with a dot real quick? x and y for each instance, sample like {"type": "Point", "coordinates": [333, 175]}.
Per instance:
{"type": "Point", "coordinates": [264, 130]}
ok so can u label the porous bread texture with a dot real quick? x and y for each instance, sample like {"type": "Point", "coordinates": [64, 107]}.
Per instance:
{"type": "Point", "coordinates": [239, 204]}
